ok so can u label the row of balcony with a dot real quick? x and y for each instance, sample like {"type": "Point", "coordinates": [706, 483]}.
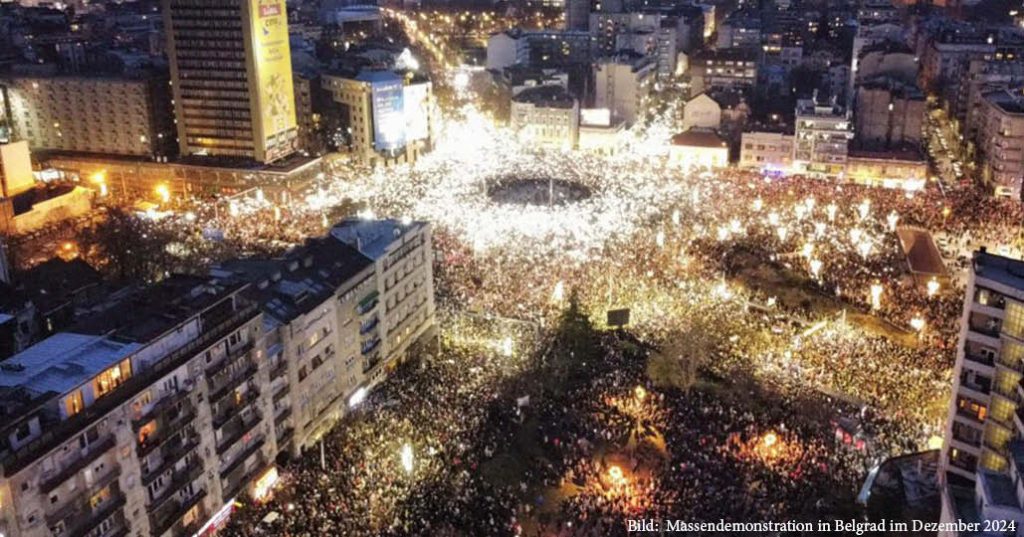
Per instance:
{"type": "Point", "coordinates": [171, 455]}
{"type": "Point", "coordinates": [177, 508]}
{"type": "Point", "coordinates": [236, 430]}
{"type": "Point", "coordinates": [95, 451]}
{"type": "Point", "coordinates": [234, 407]}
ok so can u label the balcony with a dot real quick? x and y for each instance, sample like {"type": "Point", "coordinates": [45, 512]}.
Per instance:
{"type": "Point", "coordinates": [281, 393]}
{"type": "Point", "coordinates": [171, 456]}
{"type": "Point", "coordinates": [95, 451]}
{"type": "Point", "coordinates": [179, 479]}
{"type": "Point", "coordinates": [990, 328]}
{"type": "Point", "coordinates": [279, 370]}
{"type": "Point", "coordinates": [235, 407]}
{"type": "Point", "coordinates": [367, 303]}
{"type": "Point", "coordinates": [284, 436]}
{"type": "Point", "coordinates": [58, 433]}
{"type": "Point", "coordinates": [220, 388]}
{"type": "Point", "coordinates": [278, 419]}
{"type": "Point", "coordinates": [241, 457]}
{"type": "Point", "coordinates": [79, 507]}
{"type": "Point", "coordinates": [98, 516]}
{"type": "Point", "coordinates": [159, 525]}
{"type": "Point", "coordinates": [233, 490]}
{"type": "Point", "coordinates": [366, 327]}
{"type": "Point", "coordinates": [234, 431]}
{"type": "Point", "coordinates": [970, 415]}
{"type": "Point", "coordinates": [159, 408]}
{"type": "Point", "coordinates": [370, 346]}
{"type": "Point", "coordinates": [172, 429]}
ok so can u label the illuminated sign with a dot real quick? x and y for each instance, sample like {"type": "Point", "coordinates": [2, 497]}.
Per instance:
{"type": "Point", "coordinates": [388, 113]}
{"type": "Point", "coordinates": [273, 65]}
{"type": "Point", "coordinates": [265, 483]}
{"type": "Point", "coordinates": [417, 112]}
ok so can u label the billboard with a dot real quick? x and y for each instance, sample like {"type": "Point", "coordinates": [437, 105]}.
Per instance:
{"type": "Point", "coordinates": [387, 95]}
{"type": "Point", "coordinates": [273, 65]}
{"type": "Point", "coordinates": [417, 112]}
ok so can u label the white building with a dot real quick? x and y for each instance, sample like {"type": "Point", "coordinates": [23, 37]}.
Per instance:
{"type": "Point", "coordinates": [1000, 140]}
{"type": "Point", "coordinates": [822, 139]}
{"type": "Point", "coordinates": [598, 133]}
{"type": "Point", "coordinates": [623, 85]}
{"type": "Point", "coordinates": [546, 116]}
{"type": "Point", "coordinates": [767, 151]}
{"type": "Point", "coordinates": [698, 149]}
{"type": "Point", "coordinates": [702, 112]}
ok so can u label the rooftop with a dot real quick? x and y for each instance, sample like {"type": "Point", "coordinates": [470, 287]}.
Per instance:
{"type": "Point", "coordinates": [699, 138]}
{"type": "Point", "coordinates": [1004, 270]}
{"type": "Point", "coordinates": [549, 96]}
{"type": "Point", "coordinates": [1007, 100]}
{"type": "Point", "coordinates": [371, 237]}
{"type": "Point", "coordinates": [62, 362]}
{"type": "Point", "coordinates": [301, 280]}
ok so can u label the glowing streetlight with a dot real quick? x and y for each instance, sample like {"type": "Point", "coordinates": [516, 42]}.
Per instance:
{"type": "Point", "coordinates": [675, 217]}
{"type": "Point", "coordinates": [864, 248]}
{"type": "Point", "coordinates": [855, 235]}
{"type": "Point", "coordinates": [773, 218]}
{"type": "Point", "coordinates": [807, 250]}
{"type": "Point", "coordinates": [757, 205]}
{"type": "Point", "coordinates": [407, 458]}
{"type": "Point", "coordinates": [876, 296]}
{"type": "Point", "coordinates": [815, 268]}
{"type": "Point", "coordinates": [640, 393]}
{"type": "Point", "coordinates": [770, 439]}
{"type": "Point", "coordinates": [659, 239]}
{"type": "Point", "coordinates": [164, 192]}
{"type": "Point", "coordinates": [917, 323]}
{"type": "Point", "coordinates": [831, 210]}
{"type": "Point", "coordinates": [559, 292]}
{"type": "Point", "coordinates": [616, 475]}
{"type": "Point", "coordinates": [933, 287]}
{"type": "Point", "coordinates": [864, 209]}
{"type": "Point", "coordinates": [722, 233]}
{"type": "Point", "coordinates": [892, 220]}
{"type": "Point", "coordinates": [506, 346]}
{"type": "Point", "coordinates": [783, 232]}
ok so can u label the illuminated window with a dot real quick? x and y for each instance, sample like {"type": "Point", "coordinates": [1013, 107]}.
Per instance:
{"type": "Point", "coordinates": [1014, 323]}
{"type": "Point", "coordinates": [110, 379]}
{"type": "Point", "coordinates": [74, 403]}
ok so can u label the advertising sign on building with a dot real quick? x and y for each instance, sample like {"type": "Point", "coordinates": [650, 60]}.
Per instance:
{"type": "Point", "coordinates": [388, 114]}
{"type": "Point", "coordinates": [273, 65]}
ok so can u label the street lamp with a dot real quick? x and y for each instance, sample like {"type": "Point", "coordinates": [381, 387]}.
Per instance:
{"type": "Point", "coordinates": [407, 458]}
{"type": "Point", "coordinates": [876, 296]}
{"type": "Point", "coordinates": [933, 287]}
{"type": "Point", "coordinates": [164, 192]}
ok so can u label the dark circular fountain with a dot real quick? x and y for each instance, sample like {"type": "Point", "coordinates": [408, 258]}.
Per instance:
{"type": "Point", "coordinates": [537, 191]}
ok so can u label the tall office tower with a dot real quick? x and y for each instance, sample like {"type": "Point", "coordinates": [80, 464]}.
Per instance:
{"type": "Point", "coordinates": [231, 73]}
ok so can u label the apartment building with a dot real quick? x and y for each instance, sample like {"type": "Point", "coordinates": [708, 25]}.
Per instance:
{"type": "Point", "coordinates": [982, 415]}
{"type": "Point", "coordinates": [403, 302]}
{"type": "Point", "coordinates": [167, 404]}
{"type": "Point", "coordinates": [310, 299]}
{"type": "Point", "coordinates": [623, 85]}
{"type": "Point", "coordinates": [768, 151]}
{"type": "Point", "coordinates": [822, 138]}
{"type": "Point", "coordinates": [726, 69]}
{"type": "Point", "coordinates": [1000, 140]}
{"type": "Point", "coordinates": [890, 113]}
{"type": "Point", "coordinates": [546, 116]}
{"type": "Point", "coordinates": [110, 116]}
{"type": "Point", "coordinates": [982, 460]}
{"type": "Point", "coordinates": [147, 418]}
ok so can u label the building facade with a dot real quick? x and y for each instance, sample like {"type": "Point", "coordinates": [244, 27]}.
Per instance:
{"type": "Point", "coordinates": [768, 151]}
{"type": "Point", "coordinates": [822, 138]}
{"type": "Point", "coordinates": [113, 116]}
{"type": "Point", "coordinates": [391, 117]}
{"type": "Point", "coordinates": [546, 116]}
{"type": "Point", "coordinates": [623, 85]}
{"type": "Point", "coordinates": [1000, 141]}
{"type": "Point", "coordinates": [160, 408]}
{"type": "Point", "coordinates": [231, 76]}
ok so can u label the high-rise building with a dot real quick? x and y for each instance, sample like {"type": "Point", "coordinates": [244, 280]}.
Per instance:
{"type": "Point", "coordinates": [125, 115]}
{"type": "Point", "coordinates": [982, 460]}
{"type": "Point", "coordinates": [546, 116]}
{"type": "Point", "coordinates": [232, 78]}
